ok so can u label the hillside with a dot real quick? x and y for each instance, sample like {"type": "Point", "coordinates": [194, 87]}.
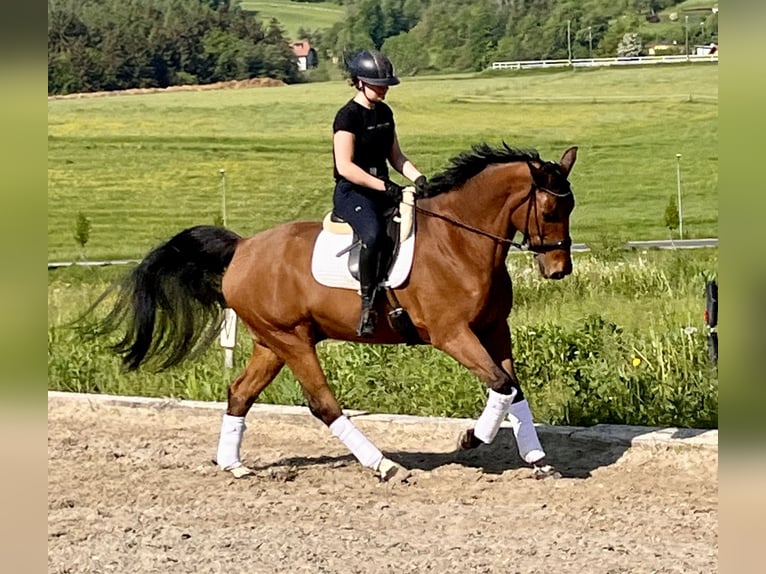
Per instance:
{"type": "Point", "coordinates": [295, 15]}
{"type": "Point", "coordinates": [106, 45]}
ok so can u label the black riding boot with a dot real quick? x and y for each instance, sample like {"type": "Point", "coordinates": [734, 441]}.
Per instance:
{"type": "Point", "coordinates": [368, 282]}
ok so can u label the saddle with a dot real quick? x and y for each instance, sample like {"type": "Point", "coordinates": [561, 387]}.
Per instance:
{"type": "Point", "coordinates": [399, 226]}
{"type": "Point", "coordinates": [400, 230]}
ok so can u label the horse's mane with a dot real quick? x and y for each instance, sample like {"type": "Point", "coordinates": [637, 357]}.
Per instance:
{"type": "Point", "coordinates": [468, 164]}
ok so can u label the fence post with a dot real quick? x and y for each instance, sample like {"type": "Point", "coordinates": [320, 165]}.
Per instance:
{"type": "Point", "coordinates": [223, 196]}
{"type": "Point", "coordinates": [680, 207]}
{"type": "Point", "coordinates": [229, 337]}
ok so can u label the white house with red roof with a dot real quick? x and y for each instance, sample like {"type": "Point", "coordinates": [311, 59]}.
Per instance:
{"type": "Point", "coordinates": [305, 54]}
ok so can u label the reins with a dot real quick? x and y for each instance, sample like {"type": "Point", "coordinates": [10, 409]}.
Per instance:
{"type": "Point", "coordinates": [472, 229]}
{"type": "Point", "coordinates": [524, 245]}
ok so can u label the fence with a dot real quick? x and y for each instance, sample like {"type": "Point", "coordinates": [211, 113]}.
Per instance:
{"type": "Point", "coordinates": [598, 62]}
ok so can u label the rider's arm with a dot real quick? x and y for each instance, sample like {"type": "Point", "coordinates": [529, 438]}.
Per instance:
{"type": "Point", "coordinates": [343, 145]}
{"type": "Point", "coordinates": [401, 163]}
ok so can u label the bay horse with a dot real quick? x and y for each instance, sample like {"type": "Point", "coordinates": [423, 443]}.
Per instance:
{"type": "Point", "coordinates": [458, 296]}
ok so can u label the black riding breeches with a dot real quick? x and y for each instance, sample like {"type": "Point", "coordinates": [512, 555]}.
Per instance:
{"type": "Point", "coordinates": [362, 209]}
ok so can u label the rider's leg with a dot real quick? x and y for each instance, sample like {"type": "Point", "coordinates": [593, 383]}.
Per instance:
{"type": "Point", "coordinates": [368, 283]}
{"type": "Point", "coordinates": [361, 212]}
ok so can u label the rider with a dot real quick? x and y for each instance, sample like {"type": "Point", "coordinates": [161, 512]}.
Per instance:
{"type": "Point", "coordinates": [364, 138]}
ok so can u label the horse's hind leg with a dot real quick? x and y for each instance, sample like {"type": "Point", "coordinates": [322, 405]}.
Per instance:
{"type": "Point", "coordinates": [261, 369]}
{"type": "Point", "coordinates": [300, 356]}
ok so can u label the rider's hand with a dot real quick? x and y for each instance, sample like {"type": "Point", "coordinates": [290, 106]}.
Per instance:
{"type": "Point", "coordinates": [421, 185]}
{"type": "Point", "coordinates": [394, 191]}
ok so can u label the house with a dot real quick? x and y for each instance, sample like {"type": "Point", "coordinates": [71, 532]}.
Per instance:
{"type": "Point", "coordinates": [306, 55]}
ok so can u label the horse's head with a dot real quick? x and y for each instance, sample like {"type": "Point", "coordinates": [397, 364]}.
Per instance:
{"type": "Point", "coordinates": [538, 205]}
{"type": "Point", "coordinates": [544, 217]}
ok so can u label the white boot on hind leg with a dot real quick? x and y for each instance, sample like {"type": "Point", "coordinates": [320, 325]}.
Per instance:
{"type": "Point", "coordinates": [364, 451]}
{"type": "Point", "coordinates": [388, 469]}
{"type": "Point", "coordinates": [227, 457]}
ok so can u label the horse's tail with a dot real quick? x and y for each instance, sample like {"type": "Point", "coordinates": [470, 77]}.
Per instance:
{"type": "Point", "coordinates": [171, 302]}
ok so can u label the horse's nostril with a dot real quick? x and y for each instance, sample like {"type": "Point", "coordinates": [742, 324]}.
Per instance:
{"type": "Point", "coordinates": [557, 275]}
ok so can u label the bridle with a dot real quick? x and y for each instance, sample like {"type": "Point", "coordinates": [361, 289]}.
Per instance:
{"type": "Point", "coordinates": [525, 245]}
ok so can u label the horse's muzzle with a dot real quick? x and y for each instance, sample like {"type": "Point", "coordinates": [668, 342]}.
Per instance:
{"type": "Point", "coordinates": [552, 267]}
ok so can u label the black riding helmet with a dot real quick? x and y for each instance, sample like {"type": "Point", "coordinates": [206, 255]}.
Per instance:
{"type": "Point", "coordinates": [372, 67]}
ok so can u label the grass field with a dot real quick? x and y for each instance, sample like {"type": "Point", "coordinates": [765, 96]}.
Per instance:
{"type": "Point", "coordinates": [143, 167]}
{"type": "Point", "coordinates": [622, 340]}
{"type": "Point", "coordinates": [295, 15]}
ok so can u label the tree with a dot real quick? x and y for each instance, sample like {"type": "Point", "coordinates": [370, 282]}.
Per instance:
{"type": "Point", "coordinates": [407, 52]}
{"type": "Point", "coordinates": [480, 38]}
{"type": "Point", "coordinates": [372, 22]}
{"type": "Point", "coordinates": [112, 45]}
{"type": "Point", "coordinates": [616, 32]}
{"type": "Point", "coordinates": [671, 214]}
{"type": "Point", "coordinates": [629, 46]}
{"type": "Point", "coordinates": [82, 232]}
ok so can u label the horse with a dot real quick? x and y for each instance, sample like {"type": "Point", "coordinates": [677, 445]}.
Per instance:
{"type": "Point", "coordinates": [458, 296]}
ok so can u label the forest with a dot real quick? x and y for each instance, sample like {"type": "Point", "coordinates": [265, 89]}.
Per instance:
{"type": "Point", "coordinates": [96, 45]}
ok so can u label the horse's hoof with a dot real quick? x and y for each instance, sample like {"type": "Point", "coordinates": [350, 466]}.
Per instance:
{"type": "Point", "coordinates": [388, 469]}
{"type": "Point", "coordinates": [545, 471]}
{"type": "Point", "coordinates": [467, 440]}
{"type": "Point", "coordinates": [239, 470]}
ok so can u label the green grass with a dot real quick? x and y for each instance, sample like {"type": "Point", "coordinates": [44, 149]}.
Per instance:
{"type": "Point", "coordinates": [143, 167]}
{"type": "Point", "coordinates": [295, 15]}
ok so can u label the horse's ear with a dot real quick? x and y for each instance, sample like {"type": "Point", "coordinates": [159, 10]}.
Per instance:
{"type": "Point", "coordinates": [568, 159]}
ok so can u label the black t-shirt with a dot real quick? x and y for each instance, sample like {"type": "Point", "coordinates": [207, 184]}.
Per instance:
{"type": "Point", "coordinates": [374, 135]}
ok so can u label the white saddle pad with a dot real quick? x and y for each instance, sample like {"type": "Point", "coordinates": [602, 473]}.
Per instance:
{"type": "Point", "coordinates": [332, 271]}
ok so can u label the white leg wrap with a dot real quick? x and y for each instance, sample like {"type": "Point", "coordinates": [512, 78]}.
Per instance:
{"type": "Point", "coordinates": [489, 422]}
{"type": "Point", "coordinates": [232, 429]}
{"type": "Point", "coordinates": [359, 445]}
{"type": "Point", "coordinates": [524, 431]}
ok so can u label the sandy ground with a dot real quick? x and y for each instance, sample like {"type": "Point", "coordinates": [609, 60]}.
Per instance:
{"type": "Point", "coordinates": [134, 490]}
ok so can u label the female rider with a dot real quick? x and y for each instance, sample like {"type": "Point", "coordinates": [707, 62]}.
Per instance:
{"type": "Point", "coordinates": [364, 140]}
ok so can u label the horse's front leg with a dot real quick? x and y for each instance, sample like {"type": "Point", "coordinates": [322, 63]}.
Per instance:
{"type": "Point", "coordinates": [492, 363]}
{"type": "Point", "coordinates": [465, 347]}
{"type": "Point", "coordinates": [497, 341]}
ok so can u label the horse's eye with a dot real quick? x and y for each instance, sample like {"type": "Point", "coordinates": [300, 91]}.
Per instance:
{"type": "Point", "coordinates": [551, 217]}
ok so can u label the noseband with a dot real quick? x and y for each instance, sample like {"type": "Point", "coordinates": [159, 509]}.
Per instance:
{"type": "Point", "coordinates": [525, 244]}
{"type": "Point", "coordinates": [541, 247]}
